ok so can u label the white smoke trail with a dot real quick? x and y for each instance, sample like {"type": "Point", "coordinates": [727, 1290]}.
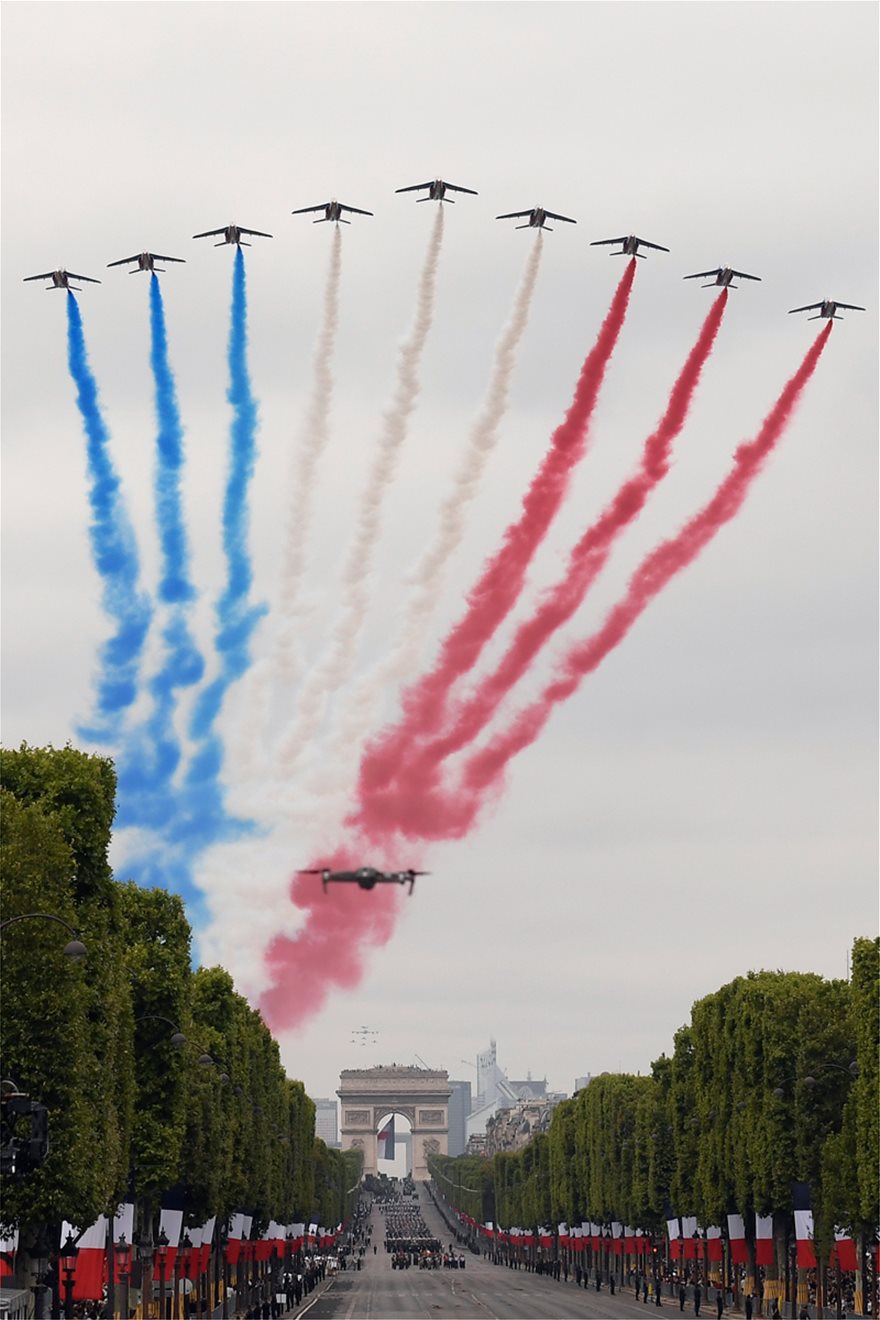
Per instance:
{"type": "Point", "coordinates": [334, 669]}
{"type": "Point", "coordinates": [282, 667]}
{"type": "Point", "coordinates": [363, 710]}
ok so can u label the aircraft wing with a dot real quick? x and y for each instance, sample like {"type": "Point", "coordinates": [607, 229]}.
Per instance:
{"type": "Point", "coordinates": [315, 870]}
{"type": "Point", "coordinates": [356, 209]}
{"type": "Point", "coordinates": [414, 187]}
{"type": "Point", "coordinates": [851, 307]}
{"type": "Point", "coordinates": [47, 276]}
{"type": "Point", "coordinates": [810, 307]}
{"type": "Point", "coordinates": [211, 233]}
{"type": "Point", "coordinates": [513, 215]}
{"type": "Point", "coordinates": [643, 242]}
{"type": "Point", "coordinates": [123, 262]}
{"type": "Point", "coordinates": [157, 256]}
{"type": "Point", "coordinates": [703, 274]}
{"type": "Point", "coordinates": [257, 232]}
{"type": "Point", "coordinates": [554, 216]}
{"type": "Point", "coordinates": [743, 276]}
{"type": "Point", "coordinates": [302, 209]}
{"type": "Point", "coordinates": [601, 242]}
{"type": "Point", "coordinates": [88, 279]}
{"type": "Point", "coordinates": [457, 188]}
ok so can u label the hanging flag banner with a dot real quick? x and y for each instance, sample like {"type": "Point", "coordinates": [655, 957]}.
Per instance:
{"type": "Point", "coordinates": [91, 1249]}
{"type": "Point", "coordinates": [385, 1140]}
{"type": "Point", "coordinates": [8, 1248]}
{"type": "Point", "coordinates": [843, 1253]}
{"type": "Point", "coordinates": [736, 1231]}
{"type": "Point", "coordinates": [803, 1225]}
{"type": "Point", "coordinates": [764, 1252]}
{"type": "Point", "coordinates": [713, 1241]}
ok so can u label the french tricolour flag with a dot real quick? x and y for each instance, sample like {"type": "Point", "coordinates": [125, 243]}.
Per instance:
{"type": "Point", "coordinates": [91, 1248]}
{"type": "Point", "coordinates": [736, 1231]}
{"type": "Point", "coordinates": [803, 1225]}
{"type": "Point", "coordinates": [764, 1253]}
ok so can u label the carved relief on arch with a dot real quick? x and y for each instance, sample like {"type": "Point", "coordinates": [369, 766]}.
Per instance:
{"type": "Point", "coordinates": [357, 1143]}
{"type": "Point", "coordinates": [431, 1146]}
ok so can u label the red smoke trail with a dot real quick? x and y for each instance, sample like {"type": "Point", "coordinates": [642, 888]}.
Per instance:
{"type": "Point", "coordinates": [452, 814]}
{"type": "Point", "coordinates": [501, 582]}
{"type": "Point", "coordinates": [329, 950]}
{"type": "Point", "coordinates": [585, 562]}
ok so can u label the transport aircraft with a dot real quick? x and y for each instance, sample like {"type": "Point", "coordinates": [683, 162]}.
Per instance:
{"type": "Point", "coordinates": [332, 211]}
{"type": "Point", "coordinates": [233, 234]}
{"type": "Point", "coordinates": [631, 245]}
{"type": "Point", "coordinates": [723, 275]}
{"type": "Point", "coordinates": [828, 308]}
{"type": "Point", "coordinates": [366, 877]}
{"type": "Point", "coordinates": [145, 261]}
{"type": "Point", "coordinates": [437, 190]}
{"type": "Point", "coordinates": [61, 279]}
{"type": "Point", "coordinates": [537, 218]}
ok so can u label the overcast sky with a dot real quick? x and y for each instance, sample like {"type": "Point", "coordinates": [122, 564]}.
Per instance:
{"type": "Point", "coordinates": [707, 803]}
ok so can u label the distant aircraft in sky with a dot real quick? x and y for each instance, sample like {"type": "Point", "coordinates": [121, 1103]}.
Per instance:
{"type": "Point", "coordinates": [233, 234]}
{"type": "Point", "coordinates": [366, 877]}
{"type": "Point", "coordinates": [537, 218]}
{"type": "Point", "coordinates": [437, 190]}
{"type": "Point", "coordinates": [631, 245]}
{"type": "Point", "coordinates": [828, 308]}
{"type": "Point", "coordinates": [61, 279]}
{"type": "Point", "coordinates": [332, 211]}
{"type": "Point", "coordinates": [723, 275]}
{"type": "Point", "coordinates": [145, 261]}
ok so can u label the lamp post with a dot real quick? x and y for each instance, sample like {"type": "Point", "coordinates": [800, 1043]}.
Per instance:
{"type": "Point", "coordinates": [74, 950]}
{"type": "Point", "coordinates": [68, 1265]}
{"type": "Point", "coordinates": [123, 1256]}
{"type": "Point", "coordinates": [162, 1253]}
{"type": "Point", "coordinates": [185, 1255]}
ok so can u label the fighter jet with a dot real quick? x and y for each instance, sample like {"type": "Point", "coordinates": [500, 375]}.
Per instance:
{"type": "Point", "coordinates": [332, 211]}
{"type": "Point", "coordinates": [145, 261]}
{"type": "Point", "coordinates": [631, 245]}
{"type": "Point", "coordinates": [233, 234]}
{"type": "Point", "coordinates": [723, 276]}
{"type": "Point", "coordinates": [827, 308]}
{"type": "Point", "coordinates": [437, 189]}
{"type": "Point", "coordinates": [538, 218]}
{"type": "Point", "coordinates": [365, 877]}
{"type": "Point", "coordinates": [61, 279]}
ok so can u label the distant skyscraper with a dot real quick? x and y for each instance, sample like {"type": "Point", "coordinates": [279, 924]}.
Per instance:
{"type": "Point", "coordinates": [581, 1082]}
{"type": "Point", "coordinates": [459, 1108]}
{"type": "Point", "coordinates": [326, 1121]}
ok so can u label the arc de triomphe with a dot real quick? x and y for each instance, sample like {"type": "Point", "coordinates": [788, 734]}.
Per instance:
{"type": "Point", "coordinates": [369, 1095]}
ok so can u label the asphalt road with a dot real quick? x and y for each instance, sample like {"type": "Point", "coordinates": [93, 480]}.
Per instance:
{"type": "Point", "coordinates": [481, 1291]}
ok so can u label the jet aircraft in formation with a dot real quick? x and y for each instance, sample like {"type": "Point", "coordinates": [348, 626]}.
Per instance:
{"type": "Point", "coordinates": [827, 308]}
{"type": "Point", "coordinates": [437, 190]}
{"type": "Point", "coordinates": [233, 234]}
{"type": "Point", "coordinates": [630, 247]}
{"type": "Point", "coordinates": [365, 877]}
{"type": "Point", "coordinates": [723, 275]}
{"type": "Point", "coordinates": [537, 218]}
{"type": "Point", "coordinates": [332, 211]}
{"type": "Point", "coordinates": [145, 261]}
{"type": "Point", "coordinates": [61, 279]}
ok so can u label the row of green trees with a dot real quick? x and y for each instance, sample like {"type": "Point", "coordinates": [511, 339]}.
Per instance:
{"type": "Point", "coordinates": [758, 1092]}
{"type": "Point", "coordinates": [131, 1115]}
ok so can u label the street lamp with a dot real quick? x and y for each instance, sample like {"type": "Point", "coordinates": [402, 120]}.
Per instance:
{"type": "Point", "coordinates": [123, 1256]}
{"type": "Point", "coordinates": [852, 1070]}
{"type": "Point", "coordinates": [162, 1248]}
{"type": "Point", "coordinates": [186, 1255]}
{"type": "Point", "coordinates": [68, 1265]}
{"type": "Point", "coordinates": [74, 950]}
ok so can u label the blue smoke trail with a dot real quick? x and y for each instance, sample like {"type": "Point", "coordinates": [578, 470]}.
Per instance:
{"type": "Point", "coordinates": [236, 616]}
{"type": "Point", "coordinates": [200, 818]}
{"type": "Point", "coordinates": [114, 551]}
{"type": "Point", "coordinates": [152, 754]}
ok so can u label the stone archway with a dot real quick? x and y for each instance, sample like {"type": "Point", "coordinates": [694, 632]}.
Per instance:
{"type": "Point", "coordinates": [420, 1094]}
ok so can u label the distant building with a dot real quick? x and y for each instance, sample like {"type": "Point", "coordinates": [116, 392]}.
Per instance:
{"type": "Point", "coordinates": [459, 1111]}
{"type": "Point", "coordinates": [496, 1092]}
{"type": "Point", "coordinates": [327, 1122]}
{"type": "Point", "coordinates": [581, 1083]}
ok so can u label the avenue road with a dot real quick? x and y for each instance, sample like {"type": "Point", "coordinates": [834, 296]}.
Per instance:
{"type": "Point", "coordinates": [482, 1291]}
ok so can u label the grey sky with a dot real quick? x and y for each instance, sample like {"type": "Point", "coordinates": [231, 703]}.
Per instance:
{"type": "Point", "coordinates": [707, 803]}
